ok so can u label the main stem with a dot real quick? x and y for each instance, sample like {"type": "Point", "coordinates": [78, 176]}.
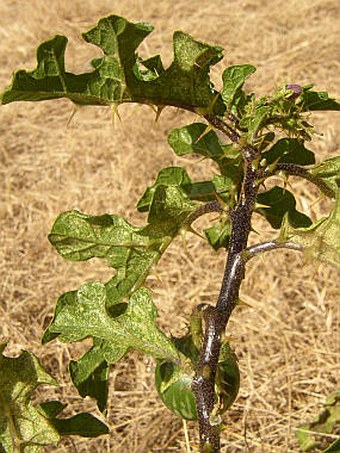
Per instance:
{"type": "Point", "coordinates": [204, 381]}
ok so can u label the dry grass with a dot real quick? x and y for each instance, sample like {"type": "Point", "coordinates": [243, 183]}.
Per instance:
{"type": "Point", "coordinates": [286, 343]}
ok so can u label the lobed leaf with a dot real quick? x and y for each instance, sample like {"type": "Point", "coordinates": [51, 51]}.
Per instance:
{"type": "Point", "coordinates": [234, 78]}
{"type": "Point", "coordinates": [321, 240]}
{"type": "Point", "coordinates": [281, 203]}
{"type": "Point", "coordinates": [130, 250]}
{"type": "Point", "coordinates": [83, 424]}
{"type": "Point", "coordinates": [329, 171]}
{"type": "Point", "coordinates": [133, 252]}
{"type": "Point", "coordinates": [289, 150]}
{"type": "Point", "coordinates": [128, 325]}
{"type": "Point", "coordinates": [177, 177]}
{"type": "Point", "coordinates": [194, 138]}
{"type": "Point", "coordinates": [90, 373]}
{"type": "Point", "coordinates": [317, 100]}
{"type": "Point", "coordinates": [117, 76]}
{"type": "Point", "coordinates": [218, 235]}
{"type": "Point", "coordinates": [22, 427]}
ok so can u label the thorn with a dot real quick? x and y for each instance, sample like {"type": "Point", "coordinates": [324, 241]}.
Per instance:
{"type": "Point", "coordinates": [205, 132]}
{"type": "Point", "coordinates": [202, 111]}
{"type": "Point", "coordinates": [243, 303]}
{"type": "Point", "coordinates": [202, 159]}
{"type": "Point", "coordinates": [153, 273]}
{"type": "Point", "coordinates": [215, 219]}
{"type": "Point", "coordinates": [114, 113]}
{"type": "Point", "coordinates": [186, 436]}
{"type": "Point", "coordinates": [285, 178]}
{"type": "Point", "coordinates": [229, 338]}
{"type": "Point", "coordinates": [193, 231]}
{"type": "Point", "coordinates": [260, 205]}
{"type": "Point", "coordinates": [317, 200]}
{"type": "Point", "coordinates": [182, 233]}
{"type": "Point", "coordinates": [74, 111]}
{"type": "Point", "coordinates": [212, 105]}
{"type": "Point", "coordinates": [159, 109]}
{"type": "Point", "coordinates": [253, 230]}
{"type": "Point", "coordinates": [221, 201]}
{"type": "Point", "coordinates": [271, 167]}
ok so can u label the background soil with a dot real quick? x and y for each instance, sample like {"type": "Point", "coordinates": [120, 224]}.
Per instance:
{"type": "Point", "coordinates": [286, 341]}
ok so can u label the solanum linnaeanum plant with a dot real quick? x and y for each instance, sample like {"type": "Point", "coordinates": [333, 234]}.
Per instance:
{"type": "Point", "coordinates": [197, 376]}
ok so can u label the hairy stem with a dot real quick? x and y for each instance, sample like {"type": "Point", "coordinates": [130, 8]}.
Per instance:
{"type": "Point", "coordinates": [297, 170]}
{"type": "Point", "coordinates": [204, 382]}
{"type": "Point", "coordinates": [270, 245]}
{"type": "Point", "coordinates": [211, 206]}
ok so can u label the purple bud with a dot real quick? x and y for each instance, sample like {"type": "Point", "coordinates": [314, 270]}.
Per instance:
{"type": "Point", "coordinates": [297, 90]}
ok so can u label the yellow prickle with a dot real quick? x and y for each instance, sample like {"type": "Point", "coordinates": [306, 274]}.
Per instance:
{"type": "Point", "coordinates": [115, 113]}
{"type": "Point", "coordinates": [182, 233]}
{"type": "Point", "coordinates": [205, 132]}
{"type": "Point", "coordinates": [193, 231]}
{"type": "Point", "coordinates": [153, 273]}
{"type": "Point", "coordinates": [242, 303]}
{"type": "Point", "coordinates": [74, 111]}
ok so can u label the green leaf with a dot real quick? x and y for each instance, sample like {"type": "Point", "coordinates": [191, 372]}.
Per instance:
{"type": "Point", "coordinates": [50, 409]}
{"type": "Point", "coordinates": [233, 81]}
{"type": "Point", "coordinates": [289, 150]}
{"type": "Point", "coordinates": [310, 435]}
{"type": "Point", "coordinates": [131, 325]}
{"type": "Point", "coordinates": [84, 424]}
{"type": "Point", "coordinates": [334, 447]}
{"type": "Point", "coordinates": [170, 176]}
{"type": "Point", "coordinates": [254, 121]}
{"type": "Point", "coordinates": [218, 235]}
{"type": "Point", "coordinates": [153, 68]}
{"type": "Point", "coordinates": [132, 251]}
{"type": "Point", "coordinates": [194, 138]}
{"type": "Point", "coordinates": [22, 427]}
{"type": "Point", "coordinates": [202, 191]}
{"type": "Point", "coordinates": [322, 239]}
{"type": "Point", "coordinates": [91, 372]}
{"type": "Point", "coordinates": [177, 177]}
{"type": "Point", "coordinates": [281, 203]}
{"type": "Point", "coordinates": [317, 100]}
{"type": "Point", "coordinates": [226, 189]}
{"type": "Point", "coordinates": [117, 76]}
{"type": "Point", "coordinates": [329, 171]}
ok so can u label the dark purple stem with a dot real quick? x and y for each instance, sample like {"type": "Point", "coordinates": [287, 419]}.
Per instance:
{"type": "Point", "coordinates": [204, 382]}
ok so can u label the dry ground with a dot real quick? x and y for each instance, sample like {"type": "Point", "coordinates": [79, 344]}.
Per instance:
{"type": "Point", "coordinates": [286, 342]}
